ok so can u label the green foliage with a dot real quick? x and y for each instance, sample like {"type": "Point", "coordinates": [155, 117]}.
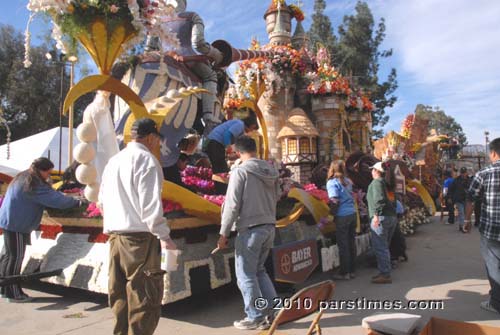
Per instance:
{"type": "Point", "coordinates": [31, 98]}
{"type": "Point", "coordinates": [321, 30]}
{"type": "Point", "coordinates": [358, 56]}
{"type": "Point", "coordinates": [442, 123]}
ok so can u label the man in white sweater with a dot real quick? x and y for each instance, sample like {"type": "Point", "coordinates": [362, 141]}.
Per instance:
{"type": "Point", "coordinates": [130, 198]}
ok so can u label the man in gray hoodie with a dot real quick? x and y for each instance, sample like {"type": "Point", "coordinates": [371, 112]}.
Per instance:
{"type": "Point", "coordinates": [250, 209]}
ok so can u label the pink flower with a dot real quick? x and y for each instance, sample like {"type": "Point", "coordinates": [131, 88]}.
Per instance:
{"type": "Point", "coordinates": [114, 9]}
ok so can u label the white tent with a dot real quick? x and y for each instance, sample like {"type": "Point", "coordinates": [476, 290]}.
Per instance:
{"type": "Point", "coordinates": [44, 144]}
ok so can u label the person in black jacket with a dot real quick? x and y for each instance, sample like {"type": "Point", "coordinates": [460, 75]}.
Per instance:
{"type": "Point", "coordinates": [458, 192]}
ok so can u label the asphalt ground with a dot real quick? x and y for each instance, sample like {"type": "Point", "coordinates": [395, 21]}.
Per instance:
{"type": "Point", "coordinates": [444, 266]}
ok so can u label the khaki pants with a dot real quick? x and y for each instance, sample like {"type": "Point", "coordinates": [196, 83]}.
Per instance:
{"type": "Point", "coordinates": [135, 283]}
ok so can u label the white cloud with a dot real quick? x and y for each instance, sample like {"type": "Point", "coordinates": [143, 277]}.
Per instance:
{"type": "Point", "coordinates": [448, 49]}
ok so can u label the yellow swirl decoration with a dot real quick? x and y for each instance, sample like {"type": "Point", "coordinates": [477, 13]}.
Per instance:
{"type": "Point", "coordinates": [424, 195]}
{"type": "Point", "coordinates": [106, 83]}
{"type": "Point", "coordinates": [197, 206]}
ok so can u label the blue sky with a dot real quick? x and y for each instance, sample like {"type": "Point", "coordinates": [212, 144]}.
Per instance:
{"type": "Point", "coordinates": [446, 52]}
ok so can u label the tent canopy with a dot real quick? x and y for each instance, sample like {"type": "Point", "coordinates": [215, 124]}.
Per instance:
{"type": "Point", "coordinates": [45, 144]}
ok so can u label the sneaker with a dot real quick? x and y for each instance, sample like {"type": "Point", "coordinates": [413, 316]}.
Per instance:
{"type": "Point", "coordinates": [247, 324]}
{"type": "Point", "coordinates": [448, 223]}
{"type": "Point", "coordinates": [381, 279]}
{"type": "Point", "coordinates": [487, 307]}
{"type": "Point", "coordinates": [338, 276]}
{"type": "Point", "coordinates": [352, 275]}
{"type": "Point", "coordinates": [22, 299]}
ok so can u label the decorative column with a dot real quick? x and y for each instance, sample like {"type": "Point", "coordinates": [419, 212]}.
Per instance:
{"type": "Point", "coordinates": [275, 104]}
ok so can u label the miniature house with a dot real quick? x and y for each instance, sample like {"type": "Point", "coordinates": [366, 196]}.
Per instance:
{"type": "Point", "coordinates": [298, 139]}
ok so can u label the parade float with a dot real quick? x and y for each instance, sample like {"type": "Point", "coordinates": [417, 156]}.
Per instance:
{"type": "Point", "coordinates": [308, 114]}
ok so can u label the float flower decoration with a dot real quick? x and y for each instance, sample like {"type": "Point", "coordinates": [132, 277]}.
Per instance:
{"type": "Point", "coordinates": [359, 101]}
{"type": "Point", "coordinates": [326, 80]}
{"type": "Point", "coordinates": [277, 3]}
{"type": "Point", "coordinates": [297, 13]}
{"type": "Point", "coordinates": [286, 58]}
{"type": "Point", "coordinates": [199, 179]}
{"type": "Point", "coordinates": [407, 126]}
{"type": "Point", "coordinates": [216, 199]}
{"type": "Point", "coordinates": [126, 22]}
{"type": "Point", "coordinates": [93, 212]}
{"type": "Point", "coordinates": [170, 206]}
{"type": "Point", "coordinates": [319, 194]}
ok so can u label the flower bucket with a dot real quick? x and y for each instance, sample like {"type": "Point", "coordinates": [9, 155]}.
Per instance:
{"type": "Point", "coordinates": [105, 43]}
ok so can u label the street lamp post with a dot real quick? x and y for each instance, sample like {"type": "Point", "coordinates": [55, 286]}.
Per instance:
{"type": "Point", "coordinates": [72, 60]}
{"type": "Point", "coordinates": [486, 142]}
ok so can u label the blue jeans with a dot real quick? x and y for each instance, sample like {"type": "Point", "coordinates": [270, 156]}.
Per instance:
{"type": "Point", "coordinates": [252, 247]}
{"type": "Point", "coordinates": [461, 213]}
{"type": "Point", "coordinates": [381, 240]}
{"type": "Point", "coordinates": [345, 233]}
{"type": "Point", "coordinates": [490, 250]}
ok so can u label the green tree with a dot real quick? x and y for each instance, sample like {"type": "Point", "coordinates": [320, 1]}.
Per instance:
{"type": "Point", "coordinates": [358, 57]}
{"type": "Point", "coordinates": [441, 122]}
{"type": "Point", "coordinates": [321, 30]}
{"type": "Point", "coordinates": [31, 97]}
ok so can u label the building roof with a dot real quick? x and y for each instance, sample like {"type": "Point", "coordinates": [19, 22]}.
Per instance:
{"type": "Point", "coordinates": [298, 124]}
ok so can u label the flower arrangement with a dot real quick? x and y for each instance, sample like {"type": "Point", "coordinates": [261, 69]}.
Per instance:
{"type": "Point", "coordinates": [297, 13]}
{"type": "Point", "coordinates": [170, 206]}
{"type": "Point", "coordinates": [93, 211]}
{"type": "Point", "coordinates": [287, 59]}
{"type": "Point", "coordinates": [72, 21]}
{"type": "Point", "coordinates": [317, 193]}
{"type": "Point", "coordinates": [216, 199]}
{"type": "Point", "coordinates": [360, 102]}
{"type": "Point", "coordinates": [232, 103]}
{"type": "Point", "coordinates": [326, 80]}
{"type": "Point", "coordinates": [407, 126]}
{"type": "Point", "coordinates": [199, 179]}
{"type": "Point", "coordinates": [414, 218]}
{"type": "Point", "coordinates": [275, 4]}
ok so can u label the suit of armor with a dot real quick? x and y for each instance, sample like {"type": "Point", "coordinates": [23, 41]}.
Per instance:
{"type": "Point", "coordinates": [191, 34]}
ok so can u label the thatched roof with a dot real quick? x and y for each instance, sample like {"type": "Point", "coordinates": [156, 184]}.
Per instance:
{"type": "Point", "coordinates": [298, 124]}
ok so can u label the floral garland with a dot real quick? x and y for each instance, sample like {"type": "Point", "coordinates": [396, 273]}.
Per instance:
{"type": "Point", "coordinates": [297, 13]}
{"type": "Point", "coordinates": [73, 17]}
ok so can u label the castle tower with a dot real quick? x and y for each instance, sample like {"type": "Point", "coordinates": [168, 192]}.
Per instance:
{"type": "Point", "coordinates": [279, 24]}
{"type": "Point", "coordinates": [300, 38]}
{"type": "Point", "coordinates": [331, 122]}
